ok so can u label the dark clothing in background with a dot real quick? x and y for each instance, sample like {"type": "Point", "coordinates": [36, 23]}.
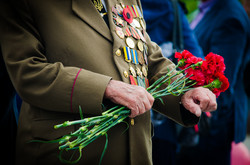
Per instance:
{"type": "Point", "coordinates": [224, 30]}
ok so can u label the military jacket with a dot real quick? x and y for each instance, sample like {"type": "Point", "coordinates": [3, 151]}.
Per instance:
{"type": "Point", "coordinates": [61, 54]}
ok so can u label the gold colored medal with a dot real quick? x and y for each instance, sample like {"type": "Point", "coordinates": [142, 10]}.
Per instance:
{"type": "Point", "coordinates": [132, 71]}
{"type": "Point", "coordinates": [136, 23]}
{"type": "Point", "coordinates": [140, 45]}
{"type": "Point", "coordinates": [138, 71]}
{"type": "Point", "coordinates": [142, 24]}
{"type": "Point", "coordinates": [140, 58]}
{"type": "Point", "coordinates": [130, 43]}
{"type": "Point", "coordinates": [119, 9]}
{"type": "Point", "coordinates": [144, 71]}
{"type": "Point", "coordinates": [119, 32]}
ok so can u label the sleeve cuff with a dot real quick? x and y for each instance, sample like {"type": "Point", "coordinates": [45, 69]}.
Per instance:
{"type": "Point", "coordinates": [88, 91]}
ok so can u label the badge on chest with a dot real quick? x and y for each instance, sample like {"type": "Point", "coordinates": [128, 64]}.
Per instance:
{"type": "Point", "coordinates": [130, 27]}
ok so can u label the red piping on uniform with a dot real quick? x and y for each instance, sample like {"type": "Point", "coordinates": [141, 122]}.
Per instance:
{"type": "Point", "coordinates": [71, 97]}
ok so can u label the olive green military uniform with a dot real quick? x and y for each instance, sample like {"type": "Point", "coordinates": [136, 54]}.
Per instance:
{"type": "Point", "coordinates": [61, 54]}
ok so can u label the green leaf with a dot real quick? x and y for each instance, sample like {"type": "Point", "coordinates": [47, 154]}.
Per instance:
{"type": "Point", "coordinates": [105, 148]}
{"type": "Point", "coordinates": [80, 111]}
{"type": "Point", "coordinates": [161, 100]}
{"type": "Point", "coordinates": [70, 160]}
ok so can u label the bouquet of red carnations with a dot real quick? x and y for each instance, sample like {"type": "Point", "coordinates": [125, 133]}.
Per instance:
{"type": "Point", "coordinates": [192, 72]}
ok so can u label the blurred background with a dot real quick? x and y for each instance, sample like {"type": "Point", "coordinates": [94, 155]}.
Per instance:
{"type": "Point", "coordinates": [192, 9]}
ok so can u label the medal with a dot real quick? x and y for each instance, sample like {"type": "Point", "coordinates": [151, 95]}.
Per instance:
{"type": "Point", "coordinates": [132, 80]}
{"type": "Point", "coordinates": [136, 12]}
{"type": "Point", "coordinates": [138, 71]}
{"type": "Point", "coordinates": [130, 43]}
{"type": "Point", "coordinates": [142, 24]}
{"type": "Point", "coordinates": [118, 21]}
{"type": "Point", "coordinates": [139, 11]}
{"type": "Point", "coordinates": [132, 71]}
{"type": "Point", "coordinates": [140, 45]}
{"type": "Point", "coordinates": [127, 33]}
{"type": "Point", "coordinates": [144, 71]}
{"type": "Point", "coordinates": [134, 33]}
{"type": "Point", "coordinates": [140, 82]}
{"type": "Point", "coordinates": [146, 82]}
{"type": "Point", "coordinates": [131, 10]}
{"type": "Point", "coordinates": [127, 54]}
{"type": "Point", "coordinates": [136, 23]}
{"type": "Point", "coordinates": [119, 32]}
{"type": "Point", "coordinates": [134, 56]}
{"type": "Point", "coordinates": [119, 9]}
{"type": "Point", "coordinates": [140, 34]}
{"type": "Point", "coordinates": [132, 24]}
{"type": "Point", "coordinates": [140, 58]}
{"type": "Point", "coordinates": [114, 10]}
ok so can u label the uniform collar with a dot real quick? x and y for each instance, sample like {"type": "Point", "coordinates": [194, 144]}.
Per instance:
{"type": "Point", "coordinates": [85, 10]}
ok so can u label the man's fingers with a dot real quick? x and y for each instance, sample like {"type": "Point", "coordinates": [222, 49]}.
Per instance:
{"type": "Point", "coordinates": [212, 103]}
{"type": "Point", "coordinates": [207, 101]}
{"type": "Point", "coordinates": [203, 100]}
{"type": "Point", "coordinates": [136, 98]}
{"type": "Point", "coordinates": [190, 104]}
{"type": "Point", "coordinates": [199, 97]}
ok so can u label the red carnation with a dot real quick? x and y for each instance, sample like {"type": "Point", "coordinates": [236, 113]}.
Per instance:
{"type": "Point", "coordinates": [219, 84]}
{"type": "Point", "coordinates": [214, 64]}
{"type": "Point", "coordinates": [178, 55]}
{"type": "Point", "coordinates": [185, 54]}
{"type": "Point", "coordinates": [186, 59]}
{"type": "Point", "coordinates": [198, 76]}
{"type": "Point", "coordinates": [192, 60]}
{"type": "Point", "coordinates": [224, 82]}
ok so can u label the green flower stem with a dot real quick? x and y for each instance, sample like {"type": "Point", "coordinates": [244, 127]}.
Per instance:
{"type": "Point", "coordinates": [168, 79]}
{"type": "Point", "coordinates": [111, 109]}
{"type": "Point", "coordinates": [94, 135]}
{"type": "Point", "coordinates": [83, 121]}
{"type": "Point", "coordinates": [93, 127]}
{"type": "Point", "coordinates": [162, 78]}
{"type": "Point", "coordinates": [180, 82]}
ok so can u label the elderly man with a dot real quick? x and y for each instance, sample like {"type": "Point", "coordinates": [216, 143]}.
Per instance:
{"type": "Point", "coordinates": [62, 54]}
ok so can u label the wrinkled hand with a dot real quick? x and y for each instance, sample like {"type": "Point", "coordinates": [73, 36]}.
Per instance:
{"type": "Point", "coordinates": [199, 100]}
{"type": "Point", "coordinates": [136, 98]}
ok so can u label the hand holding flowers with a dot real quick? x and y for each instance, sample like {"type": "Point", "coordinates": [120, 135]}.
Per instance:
{"type": "Point", "coordinates": [134, 100]}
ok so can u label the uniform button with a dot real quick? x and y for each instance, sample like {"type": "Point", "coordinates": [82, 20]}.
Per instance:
{"type": "Point", "coordinates": [132, 122]}
{"type": "Point", "coordinates": [118, 52]}
{"type": "Point", "coordinates": [125, 73]}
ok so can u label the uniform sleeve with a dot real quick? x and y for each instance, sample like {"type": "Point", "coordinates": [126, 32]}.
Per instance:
{"type": "Point", "coordinates": [49, 86]}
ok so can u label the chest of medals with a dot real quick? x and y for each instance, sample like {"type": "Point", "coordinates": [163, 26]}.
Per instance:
{"type": "Point", "coordinates": [130, 27]}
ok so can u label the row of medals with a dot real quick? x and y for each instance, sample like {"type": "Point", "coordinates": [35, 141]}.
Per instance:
{"type": "Point", "coordinates": [136, 51]}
